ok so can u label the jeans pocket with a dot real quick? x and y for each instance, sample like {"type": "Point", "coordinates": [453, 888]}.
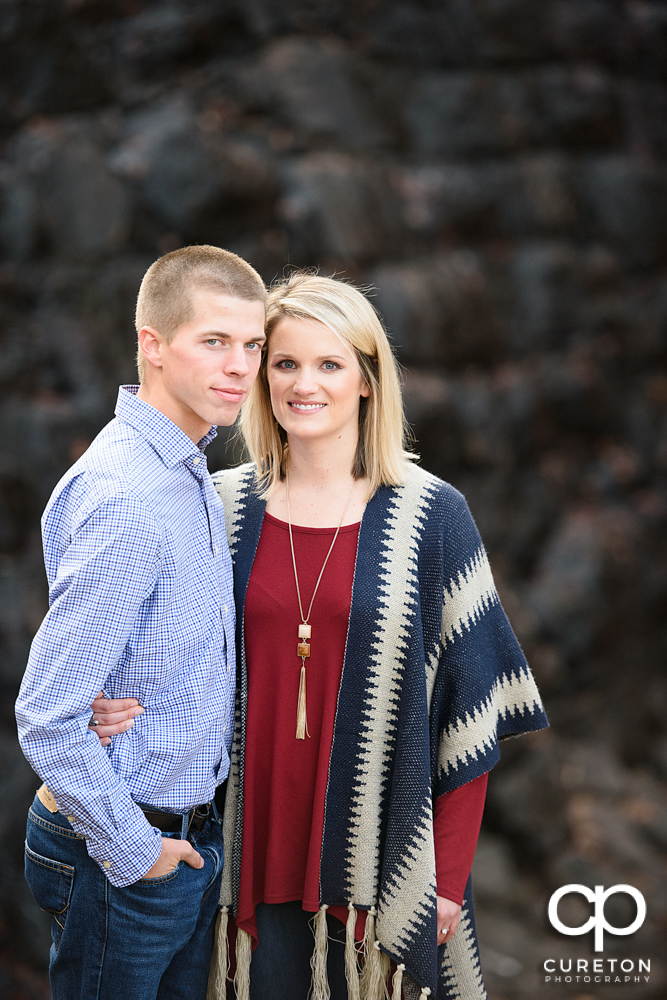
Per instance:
{"type": "Point", "coordinates": [51, 884]}
{"type": "Point", "coordinates": [161, 879]}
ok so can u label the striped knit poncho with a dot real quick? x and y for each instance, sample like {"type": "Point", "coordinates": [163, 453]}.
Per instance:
{"type": "Point", "coordinates": [433, 679]}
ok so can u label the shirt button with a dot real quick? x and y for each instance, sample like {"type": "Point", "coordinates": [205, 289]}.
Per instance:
{"type": "Point", "coordinates": [226, 610]}
{"type": "Point", "coordinates": [107, 864]}
{"type": "Point", "coordinates": [70, 819]}
{"type": "Point", "coordinates": [216, 550]}
{"type": "Point", "coordinates": [197, 460]}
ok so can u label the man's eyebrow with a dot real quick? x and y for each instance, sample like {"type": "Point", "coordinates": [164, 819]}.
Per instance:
{"type": "Point", "coordinates": [261, 339]}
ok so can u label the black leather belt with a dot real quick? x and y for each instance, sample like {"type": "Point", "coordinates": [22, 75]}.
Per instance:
{"type": "Point", "coordinates": [173, 822]}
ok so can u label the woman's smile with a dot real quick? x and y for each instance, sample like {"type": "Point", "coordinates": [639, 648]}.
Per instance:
{"type": "Point", "coordinates": [306, 407]}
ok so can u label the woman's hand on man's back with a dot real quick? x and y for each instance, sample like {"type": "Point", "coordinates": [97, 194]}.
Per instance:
{"type": "Point", "coordinates": [112, 716]}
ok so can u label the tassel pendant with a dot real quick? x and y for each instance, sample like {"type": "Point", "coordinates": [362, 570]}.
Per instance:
{"type": "Point", "coordinates": [302, 650]}
{"type": "Point", "coordinates": [303, 646]}
{"type": "Point", "coordinates": [301, 719]}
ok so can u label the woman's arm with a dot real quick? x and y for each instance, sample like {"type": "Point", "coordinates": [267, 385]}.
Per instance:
{"type": "Point", "coordinates": [457, 816]}
{"type": "Point", "coordinates": [112, 716]}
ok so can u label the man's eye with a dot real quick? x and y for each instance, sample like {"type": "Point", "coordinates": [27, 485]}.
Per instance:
{"type": "Point", "coordinates": [213, 340]}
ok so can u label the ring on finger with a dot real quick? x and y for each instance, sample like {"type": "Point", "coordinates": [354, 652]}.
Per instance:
{"type": "Point", "coordinates": [92, 722]}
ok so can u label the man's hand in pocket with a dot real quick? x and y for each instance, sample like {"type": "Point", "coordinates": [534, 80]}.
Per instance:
{"type": "Point", "coordinates": [172, 852]}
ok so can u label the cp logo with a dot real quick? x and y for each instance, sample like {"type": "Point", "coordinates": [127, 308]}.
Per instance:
{"type": "Point", "coordinates": [598, 897]}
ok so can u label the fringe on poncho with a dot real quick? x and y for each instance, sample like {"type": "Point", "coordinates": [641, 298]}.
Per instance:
{"type": "Point", "coordinates": [433, 679]}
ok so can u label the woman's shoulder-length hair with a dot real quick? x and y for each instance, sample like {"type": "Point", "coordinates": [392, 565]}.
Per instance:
{"type": "Point", "coordinates": [383, 431]}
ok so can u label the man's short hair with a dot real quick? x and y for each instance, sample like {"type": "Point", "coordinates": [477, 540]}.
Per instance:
{"type": "Point", "coordinates": [165, 297]}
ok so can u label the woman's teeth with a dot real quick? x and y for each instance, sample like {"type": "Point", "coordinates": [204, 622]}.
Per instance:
{"type": "Point", "coordinates": [308, 406]}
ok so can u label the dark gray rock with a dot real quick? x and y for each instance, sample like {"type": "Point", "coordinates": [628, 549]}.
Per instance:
{"type": "Point", "coordinates": [578, 108]}
{"type": "Point", "coordinates": [340, 205]}
{"type": "Point", "coordinates": [441, 307]}
{"type": "Point", "coordinates": [529, 196]}
{"type": "Point", "coordinates": [60, 197]}
{"type": "Point", "coordinates": [548, 293]}
{"type": "Point", "coordinates": [626, 204]}
{"type": "Point", "coordinates": [464, 113]}
{"type": "Point", "coordinates": [322, 91]}
{"type": "Point", "coordinates": [195, 181]}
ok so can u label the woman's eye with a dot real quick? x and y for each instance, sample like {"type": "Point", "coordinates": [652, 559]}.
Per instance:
{"type": "Point", "coordinates": [286, 365]}
{"type": "Point", "coordinates": [330, 366]}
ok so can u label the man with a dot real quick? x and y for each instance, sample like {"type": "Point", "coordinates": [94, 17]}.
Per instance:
{"type": "Point", "coordinates": [124, 846]}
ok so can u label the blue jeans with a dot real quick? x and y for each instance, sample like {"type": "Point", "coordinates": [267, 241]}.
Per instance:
{"type": "Point", "coordinates": [280, 967]}
{"type": "Point", "coordinates": [151, 940]}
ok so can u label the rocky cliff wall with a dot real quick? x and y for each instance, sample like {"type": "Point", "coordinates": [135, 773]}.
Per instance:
{"type": "Point", "coordinates": [496, 170]}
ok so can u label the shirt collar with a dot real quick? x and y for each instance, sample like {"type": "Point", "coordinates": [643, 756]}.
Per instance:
{"type": "Point", "coordinates": [171, 443]}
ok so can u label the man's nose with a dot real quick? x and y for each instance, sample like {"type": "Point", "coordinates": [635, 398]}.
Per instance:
{"type": "Point", "coordinates": [235, 360]}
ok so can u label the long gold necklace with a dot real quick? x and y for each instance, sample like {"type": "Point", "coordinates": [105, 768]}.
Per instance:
{"type": "Point", "coordinates": [303, 645]}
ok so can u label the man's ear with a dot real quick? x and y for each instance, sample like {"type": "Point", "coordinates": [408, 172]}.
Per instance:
{"type": "Point", "coordinates": [150, 345]}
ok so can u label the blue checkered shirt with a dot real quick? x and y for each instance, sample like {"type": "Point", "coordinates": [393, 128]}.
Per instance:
{"type": "Point", "coordinates": [140, 605]}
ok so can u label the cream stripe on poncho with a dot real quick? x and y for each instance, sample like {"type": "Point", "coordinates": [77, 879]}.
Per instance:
{"type": "Point", "coordinates": [433, 679]}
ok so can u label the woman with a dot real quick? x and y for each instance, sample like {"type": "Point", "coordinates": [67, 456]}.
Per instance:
{"type": "Point", "coordinates": [377, 673]}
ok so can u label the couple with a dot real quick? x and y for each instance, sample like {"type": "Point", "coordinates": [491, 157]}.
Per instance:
{"type": "Point", "coordinates": [359, 677]}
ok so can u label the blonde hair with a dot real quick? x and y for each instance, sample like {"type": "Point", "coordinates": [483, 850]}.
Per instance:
{"type": "Point", "coordinates": [165, 296]}
{"type": "Point", "coordinates": [383, 432]}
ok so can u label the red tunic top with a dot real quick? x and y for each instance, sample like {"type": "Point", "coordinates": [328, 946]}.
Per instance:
{"type": "Point", "coordinates": [284, 778]}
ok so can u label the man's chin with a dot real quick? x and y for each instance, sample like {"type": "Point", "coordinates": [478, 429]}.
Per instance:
{"type": "Point", "coordinates": [225, 414]}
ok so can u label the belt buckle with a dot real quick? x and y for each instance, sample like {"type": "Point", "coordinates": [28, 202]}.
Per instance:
{"type": "Point", "coordinates": [198, 816]}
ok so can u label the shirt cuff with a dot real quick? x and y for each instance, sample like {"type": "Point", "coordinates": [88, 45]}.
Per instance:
{"type": "Point", "coordinates": [129, 856]}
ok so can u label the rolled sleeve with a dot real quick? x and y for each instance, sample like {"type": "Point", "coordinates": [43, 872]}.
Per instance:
{"type": "Point", "coordinates": [105, 575]}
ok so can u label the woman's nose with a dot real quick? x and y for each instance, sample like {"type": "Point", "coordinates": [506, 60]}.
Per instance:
{"type": "Point", "coordinates": [305, 384]}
